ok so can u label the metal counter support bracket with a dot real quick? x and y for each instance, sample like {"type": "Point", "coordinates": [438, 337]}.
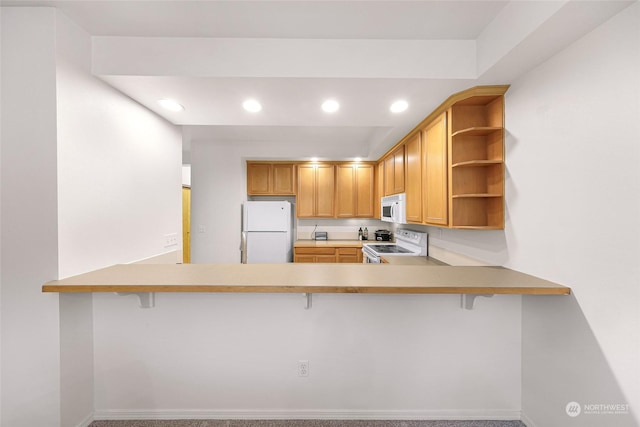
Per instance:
{"type": "Point", "coordinates": [307, 303]}
{"type": "Point", "coordinates": [467, 300]}
{"type": "Point", "coordinates": [147, 299]}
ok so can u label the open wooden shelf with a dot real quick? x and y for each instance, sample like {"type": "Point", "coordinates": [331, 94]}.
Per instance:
{"type": "Point", "coordinates": [477, 131]}
{"type": "Point", "coordinates": [458, 196]}
{"type": "Point", "coordinates": [474, 163]}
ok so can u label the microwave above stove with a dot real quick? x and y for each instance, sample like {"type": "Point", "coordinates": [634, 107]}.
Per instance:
{"type": "Point", "coordinates": [394, 208]}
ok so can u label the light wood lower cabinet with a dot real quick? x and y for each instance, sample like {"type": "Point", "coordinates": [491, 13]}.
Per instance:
{"type": "Point", "coordinates": [350, 255]}
{"type": "Point", "coordinates": [311, 254]}
{"type": "Point", "coordinates": [328, 254]}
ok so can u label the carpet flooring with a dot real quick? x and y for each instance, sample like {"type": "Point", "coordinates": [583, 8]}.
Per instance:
{"type": "Point", "coordinates": [303, 423]}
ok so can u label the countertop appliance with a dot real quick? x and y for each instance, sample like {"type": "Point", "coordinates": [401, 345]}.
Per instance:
{"type": "Point", "coordinates": [394, 208]}
{"type": "Point", "coordinates": [267, 232]}
{"type": "Point", "coordinates": [320, 235]}
{"type": "Point", "coordinates": [408, 243]}
{"type": "Point", "coordinates": [382, 235]}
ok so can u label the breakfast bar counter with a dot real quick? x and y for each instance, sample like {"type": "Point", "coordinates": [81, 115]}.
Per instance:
{"type": "Point", "coordinates": [306, 278]}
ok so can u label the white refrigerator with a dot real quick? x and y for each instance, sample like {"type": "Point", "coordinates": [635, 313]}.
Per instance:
{"type": "Point", "coordinates": [267, 232]}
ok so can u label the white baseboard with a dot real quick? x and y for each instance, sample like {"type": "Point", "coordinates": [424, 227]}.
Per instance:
{"type": "Point", "coordinates": [86, 421]}
{"type": "Point", "coordinates": [528, 421]}
{"type": "Point", "coordinates": [310, 414]}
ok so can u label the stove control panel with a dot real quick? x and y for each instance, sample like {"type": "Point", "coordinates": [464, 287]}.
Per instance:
{"type": "Point", "coordinates": [414, 237]}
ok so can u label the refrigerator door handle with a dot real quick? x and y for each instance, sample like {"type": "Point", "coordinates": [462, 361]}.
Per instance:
{"type": "Point", "coordinates": [243, 247]}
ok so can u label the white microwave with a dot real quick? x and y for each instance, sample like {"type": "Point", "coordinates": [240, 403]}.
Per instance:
{"type": "Point", "coordinates": [394, 208]}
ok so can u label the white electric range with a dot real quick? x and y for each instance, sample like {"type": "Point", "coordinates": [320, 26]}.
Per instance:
{"type": "Point", "coordinates": [408, 243]}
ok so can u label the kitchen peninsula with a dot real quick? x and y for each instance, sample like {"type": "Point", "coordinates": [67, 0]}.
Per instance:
{"type": "Point", "coordinates": [306, 278]}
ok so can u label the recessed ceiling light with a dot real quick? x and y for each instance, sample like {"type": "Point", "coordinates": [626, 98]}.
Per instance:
{"type": "Point", "coordinates": [399, 106]}
{"type": "Point", "coordinates": [330, 106]}
{"type": "Point", "coordinates": [171, 105]}
{"type": "Point", "coordinates": [357, 159]}
{"type": "Point", "coordinates": [314, 159]}
{"type": "Point", "coordinates": [252, 105]}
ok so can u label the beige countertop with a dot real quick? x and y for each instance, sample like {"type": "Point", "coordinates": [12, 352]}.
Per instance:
{"type": "Point", "coordinates": [411, 260]}
{"type": "Point", "coordinates": [329, 243]}
{"type": "Point", "coordinates": [307, 278]}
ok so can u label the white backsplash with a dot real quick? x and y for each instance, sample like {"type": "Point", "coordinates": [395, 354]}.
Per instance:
{"type": "Point", "coordinates": [339, 229]}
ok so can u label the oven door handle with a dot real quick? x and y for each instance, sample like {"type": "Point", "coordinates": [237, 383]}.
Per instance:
{"type": "Point", "coordinates": [368, 258]}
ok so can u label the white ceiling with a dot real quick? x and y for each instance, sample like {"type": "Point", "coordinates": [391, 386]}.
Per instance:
{"type": "Point", "coordinates": [292, 55]}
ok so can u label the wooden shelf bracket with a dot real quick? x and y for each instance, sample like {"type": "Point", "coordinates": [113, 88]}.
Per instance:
{"type": "Point", "coordinates": [467, 301]}
{"type": "Point", "coordinates": [307, 300]}
{"type": "Point", "coordinates": [146, 299]}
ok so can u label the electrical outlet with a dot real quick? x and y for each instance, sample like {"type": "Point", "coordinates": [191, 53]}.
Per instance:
{"type": "Point", "coordinates": [170, 240]}
{"type": "Point", "coordinates": [303, 368]}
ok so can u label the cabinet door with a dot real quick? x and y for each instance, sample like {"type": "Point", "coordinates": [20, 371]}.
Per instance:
{"type": "Point", "coordinates": [413, 185]}
{"type": "Point", "coordinates": [325, 258]}
{"type": "Point", "coordinates": [365, 193]}
{"type": "Point", "coordinates": [394, 172]}
{"type": "Point", "coordinates": [348, 255]}
{"type": "Point", "coordinates": [284, 179]}
{"type": "Point", "coordinates": [345, 191]}
{"type": "Point", "coordinates": [304, 258]}
{"type": "Point", "coordinates": [305, 203]}
{"type": "Point", "coordinates": [354, 191]}
{"type": "Point", "coordinates": [379, 179]}
{"type": "Point", "coordinates": [389, 167]}
{"type": "Point", "coordinates": [398, 170]}
{"type": "Point", "coordinates": [325, 191]}
{"type": "Point", "coordinates": [435, 171]}
{"type": "Point", "coordinates": [258, 178]}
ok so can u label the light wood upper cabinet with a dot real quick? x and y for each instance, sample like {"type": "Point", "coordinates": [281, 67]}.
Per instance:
{"type": "Point", "coordinates": [462, 162]}
{"type": "Point", "coordinates": [316, 191]}
{"type": "Point", "coordinates": [267, 179]}
{"type": "Point", "coordinates": [365, 191]}
{"type": "Point", "coordinates": [325, 191]}
{"type": "Point", "coordinates": [354, 191]}
{"type": "Point", "coordinates": [394, 172]}
{"type": "Point", "coordinates": [258, 178]}
{"type": "Point", "coordinates": [284, 178]}
{"type": "Point", "coordinates": [413, 187]}
{"type": "Point", "coordinates": [451, 166]}
{"type": "Point", "coordinates": [306, 200]}
{"type": "Point", "coordinates": [379, 187]}
{"type": "Point", "coordinates": [434, 161]}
